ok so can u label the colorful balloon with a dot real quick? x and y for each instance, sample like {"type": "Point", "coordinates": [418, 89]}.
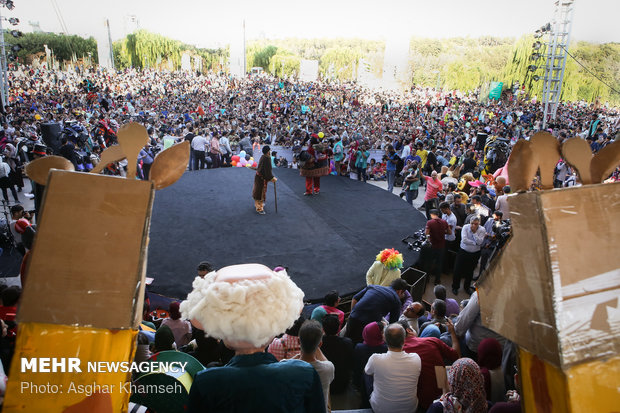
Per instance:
{"type": "Point", "coordinates": [321, 135]}
{"type": "Point", "coordinates": [234, 163]}
{"type": "Point", "coordinates": [254, 165]}
{"type": "Point", "coordinates": [242, 154]}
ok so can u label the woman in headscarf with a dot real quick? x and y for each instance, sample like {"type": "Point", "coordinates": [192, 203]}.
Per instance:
{"type": "Point", "coordinates": [466, 393]}
{"type": "Point", "coordinates": [490, 361]}
{"type": "Point", "coordinates": [182, 329]}
{"type": "Point", "coordinates": [373, 343]}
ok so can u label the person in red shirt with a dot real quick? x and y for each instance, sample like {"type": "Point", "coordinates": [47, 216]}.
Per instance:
{"type": "Point", "coordinates": [433, 187]}
{"type": "Point", "coordinates": [432, 352]}
{"type": "Point", "coordinates": [436, 230]}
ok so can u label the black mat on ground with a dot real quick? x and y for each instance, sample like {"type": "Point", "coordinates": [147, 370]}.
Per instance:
{"type": "Point", "coordinates": [326, 241]}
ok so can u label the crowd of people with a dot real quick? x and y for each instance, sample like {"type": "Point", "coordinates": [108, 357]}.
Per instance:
{"type": "Point", "coordinates": [390, 349]}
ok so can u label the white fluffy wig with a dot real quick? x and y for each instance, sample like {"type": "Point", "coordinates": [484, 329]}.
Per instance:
{"type": "Point", "coordinates": [244, 303]}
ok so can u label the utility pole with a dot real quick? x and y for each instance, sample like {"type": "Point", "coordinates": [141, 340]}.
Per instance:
{"type": "Point", "coordinates": [111, 47]}
{"type": "Point", "coordinates": [4, 81]}
{"type": "Point", "coordinates": [245, 69]}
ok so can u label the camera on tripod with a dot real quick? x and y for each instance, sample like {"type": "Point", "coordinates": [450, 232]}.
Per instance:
{"type": "Point", "coordinates": [417, 241]}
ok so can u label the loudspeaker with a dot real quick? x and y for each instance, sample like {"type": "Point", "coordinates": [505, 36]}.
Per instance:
{"type": "Point", "coordinates": [481, 140]}
{"type": "Point", "coordinates": [50, 133]}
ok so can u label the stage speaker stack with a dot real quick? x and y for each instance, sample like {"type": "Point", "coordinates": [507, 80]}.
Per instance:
{"type": "Point", "coordinates": [51, 133]}
{"type": "Point", "coordinates": [481, 140]}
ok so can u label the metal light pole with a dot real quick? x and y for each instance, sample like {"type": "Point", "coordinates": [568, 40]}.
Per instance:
{"type": "Point", "coordinates": [4, 81]}
{"type": "Point", "coordinates": [556, 57]}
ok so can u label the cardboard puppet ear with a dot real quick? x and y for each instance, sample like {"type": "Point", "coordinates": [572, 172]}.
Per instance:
{"type": "Point", "coordinates": [169, 165]}
{"type": "Point", "coordinates": [39, 169]}
{"type": "Point", "coordinates": [522, 166]}
{"type": "Point", "coordinates": [110, 155]}
{"type": "Point", "coordinates": [548, 149]}
{"type": "Point", "coordinates": [577, 153]}
{"type": "Point", "coordinates": [132, 137]}
{"type": "Point", "coordinates": [604, 162]}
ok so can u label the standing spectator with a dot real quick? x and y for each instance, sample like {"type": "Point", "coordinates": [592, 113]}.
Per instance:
{"type": "Point", "coordinates": [372, 304]}
{"type": "Point", "coordinates": [5, 181]}
{"type": "Point", "coordinates": [433, 187]}
{"type": "Point", "coordinates": [199, 144]}
{"type": "Point", "coordinates": [395, 375]}
{"type": "Point", "coordinates": [181, 329]}
{"type": "Point", "coordinates": [338, 155]}
{"type": "Point", "coordinates": [412, 182]}
{"type": "Point", "coordinates": [190, 137]}
{"type": "Point", "coordinates": [311, 338]}
{"type": "Point", "coordinates": [459, 209]}
{"type": "Point", "coordinates": [472, 237]}
{"type": "Point", "coordinates": [502, 203]}
{"type": "Point", "coordinates": [466, 390]}
{"type": "Point", "coordinates": [391, 158]}
{"type": "Point", "coordinates": [361, 162]}
{"type": "Point", "coordinates": [225, 149]}
{"type": "Point", "coordinates": [146, 156]}
{"type": "Point", "coordinates": [436, 230]}
{"type": "Point", "coordinates": [214, 151]}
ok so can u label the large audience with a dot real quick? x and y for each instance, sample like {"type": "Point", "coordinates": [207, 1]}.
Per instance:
{"type": "Point", "coordinates": [397, 355]}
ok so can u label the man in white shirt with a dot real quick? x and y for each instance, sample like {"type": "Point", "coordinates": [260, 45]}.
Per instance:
{"type": "Point", "coordinates": [199, 145]}
{"type": "Point", "coordinates": [502, 203]}
{"type": "Point", "coordinates": [225, 148]}
{"type": "Point", "coordinates": [395, 375]}
{"type": "Point", "coordinates": [472, 237]}
{"type": "Point", "coordinates": [450, 218]}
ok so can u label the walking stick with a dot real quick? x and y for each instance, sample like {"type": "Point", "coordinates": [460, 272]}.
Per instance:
{"type": "Point", "coordinates": [275, 196]}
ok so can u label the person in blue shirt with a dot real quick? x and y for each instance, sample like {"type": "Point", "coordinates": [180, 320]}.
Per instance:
{"type": "Point", "coordinates": [361, 162]}
{"type": "Point", "coordinates": [392, 158]}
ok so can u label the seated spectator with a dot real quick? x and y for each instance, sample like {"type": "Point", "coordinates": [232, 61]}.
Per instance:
{"type": "Point", "coordinates": [204, 268]}
{"type": "Point", "coordinates": [490, 361]}
{"type": "Point", "coordinates": [412, 313]}
{"type": "Point", "coordinates": [452, 307]}
{"type": "Point", "coordinates": [338, 350]}
{"type": "Point", "coordinates": [206, 349]}
{"type": "Point", "coordinates": [395, 375]}
{"type": "Point", "coordinates": [385, 269]}
{"type": "Point", "coordinates": [142, 350]}
{"type": "Point", "coordinates": [469, 325]}
{"type": "Point", "coordinates": [182, 329]}
{"type": "Point", "coordinates": [466, 390]}
{"type": "Point", "coordinates": [310, 338]}
{"type": "Point", "coordinates": [10, 297]}
{"type": "Point", "coordinates": [287, 346]}
{"type": "Point", "coordinates": [433, 352]}
{"type": "Point", "coordinates": [164, 340]}
{"type": "Point", "coordinates": [331, 301]}
{"type": "Point", "coordinates": [373, 343]}
{"type": "Point", "coordinates": [438, 317]}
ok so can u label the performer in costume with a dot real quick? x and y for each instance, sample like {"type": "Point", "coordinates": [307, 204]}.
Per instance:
{"type": "Point", "coordinates": [385, 269]}
{"type": "Point", "coordinates": [262, 177]}
{"type": "Point", "coordinates": [316, 166]}
{"type": "Point", "coordinates": [225, 304]}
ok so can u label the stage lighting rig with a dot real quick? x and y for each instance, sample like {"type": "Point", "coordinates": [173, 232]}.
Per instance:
{"type": "Point", "coordinates": [532, 68]}
{"type": "Point", "coordinates": [536, 45]}
{"type": "Point", "coordinates": [15, 33]}
{"type": "Point", "coordinates": [14, 21]}
{"type": "Point", "coordinates": [535, 78]}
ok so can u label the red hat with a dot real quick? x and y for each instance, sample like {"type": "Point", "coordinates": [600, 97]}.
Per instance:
{"type": "Point", "coordinates": [21, 225]}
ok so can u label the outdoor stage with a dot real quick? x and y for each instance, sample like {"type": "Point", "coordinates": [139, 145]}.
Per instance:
{"type": "Point", "coordinates": [326, 241]}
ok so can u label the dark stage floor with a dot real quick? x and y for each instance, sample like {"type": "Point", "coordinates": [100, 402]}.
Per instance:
{"type": "Point", "coordinates": [326, 241]}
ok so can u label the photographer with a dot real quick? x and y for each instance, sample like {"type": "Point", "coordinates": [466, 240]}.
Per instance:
{"type": "Point", "coordinates": [19, 220]}
{"type": "Point", "coordinates": [491, 240]}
